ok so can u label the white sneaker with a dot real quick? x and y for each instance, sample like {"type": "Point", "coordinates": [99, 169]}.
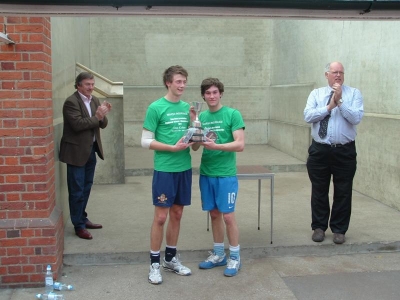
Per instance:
{"type": "Point", "coordinates": [155, 274]}
{"type": "Point", "coordinates": [175, 266]}
{"type": "Point", "coordinates": [232, 267]}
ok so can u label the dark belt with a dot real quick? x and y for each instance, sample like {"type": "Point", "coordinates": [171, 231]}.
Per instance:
{"type": "Point", "coordinates": [335, 145]}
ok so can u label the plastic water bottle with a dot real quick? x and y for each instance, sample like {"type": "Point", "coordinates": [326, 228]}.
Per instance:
{"type": "Point", "coordinates": [49, 280]}
{"type": "Point", "coordinates": [50, 296]}
{"type": "Point", "coordinates": [62, 287]}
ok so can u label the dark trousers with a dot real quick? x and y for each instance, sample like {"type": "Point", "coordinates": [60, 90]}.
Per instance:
{"type": "Point", "coordinates": [323, 162]}
{"type": "Point", "coordinates": [80, 181]}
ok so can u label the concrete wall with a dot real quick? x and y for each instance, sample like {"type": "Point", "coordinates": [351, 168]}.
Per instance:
{"type": "Point", "coordinates": [269, 67]}
{"type": "Point", "coordinates": [67, 37]}
{"type": "Point", "coordinates": [137, 50]}
{"type": "Point", "coordinates": [369, 52]}
{"type": "Point", "coordinates": [71, 45]}
{"type": "Point", "coordinates": [378, 174]}
{"type": "Point", "coordinates": [111, 170]}
{"type": "Point", "coordinates": [288, 131]}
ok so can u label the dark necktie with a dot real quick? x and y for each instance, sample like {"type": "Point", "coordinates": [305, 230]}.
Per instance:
{"type": "Point", "coordinates": [323, 124]}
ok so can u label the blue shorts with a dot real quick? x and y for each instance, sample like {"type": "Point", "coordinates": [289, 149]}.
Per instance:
{"type": "Point", "coordinates": [172, 188]}
{"type": "Point", "coordinates": [218, 193]}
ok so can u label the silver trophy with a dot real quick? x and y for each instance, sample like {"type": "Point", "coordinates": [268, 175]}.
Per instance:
{"type": "Point", "coordinates": [196, 133]}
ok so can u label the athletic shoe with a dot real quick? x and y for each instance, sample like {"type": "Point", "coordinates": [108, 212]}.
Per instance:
{"type": "Point", "coordinates": [175, 266]}
{"type": "Point", "coordinates": [213, 261]}
{"type": "Point", "coordinates": [154, 274]}
{"type": "Point", "coordinates": [233, 267]}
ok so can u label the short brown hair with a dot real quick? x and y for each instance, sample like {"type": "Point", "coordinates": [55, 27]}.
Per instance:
{"type": "Point", "coordinates": [169, 73]}
{"type": "Point", "coordinates": [82, 76]}
{"type": "Point", "coordinates": [209, 82]}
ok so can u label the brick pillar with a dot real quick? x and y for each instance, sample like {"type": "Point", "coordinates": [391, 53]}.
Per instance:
{"type": "Point", "coordinates": [31, 226]}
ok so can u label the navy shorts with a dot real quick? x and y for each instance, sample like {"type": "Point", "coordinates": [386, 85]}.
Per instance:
{"type": "Point", "coordinates": [172, 188]}
{"type": "Point", "coordinates": [218, 193]}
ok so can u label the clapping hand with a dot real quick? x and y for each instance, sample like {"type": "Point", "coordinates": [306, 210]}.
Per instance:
{"type": "Point", "coordinates": [107, 105]}
{"type": "Point", "coordinates": [103, 110]}
{"type": "Point", "coordinates": [337, 88]}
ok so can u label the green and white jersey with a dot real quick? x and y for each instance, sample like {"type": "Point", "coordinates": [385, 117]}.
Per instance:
{"type": "Point", "coordinates": [169, 122]}
{"type": "Point", "coordinates": [223, 122]}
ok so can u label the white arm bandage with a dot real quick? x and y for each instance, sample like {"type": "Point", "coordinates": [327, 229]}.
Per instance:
{"type": "Point", "coordinates": [147, 138]}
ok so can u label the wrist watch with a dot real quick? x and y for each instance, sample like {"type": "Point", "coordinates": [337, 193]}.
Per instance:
{"type": "Point", "coordinates": [340, 100]}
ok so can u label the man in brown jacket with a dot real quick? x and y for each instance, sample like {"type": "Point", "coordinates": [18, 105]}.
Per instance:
{"type": "Point", "coordinates": [83, 117]}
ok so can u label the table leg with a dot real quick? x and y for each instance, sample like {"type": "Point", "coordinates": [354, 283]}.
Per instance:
{"type": "Point", "coordinates": [272, 205]}
{"type": "Point", "coordinates": [259, 201]}
{"type": "Point", "coordinates": [208, 221]}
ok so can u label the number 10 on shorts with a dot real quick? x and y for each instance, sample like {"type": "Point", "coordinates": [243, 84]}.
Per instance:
{"type": "Point", "coordinates": [231, 198]}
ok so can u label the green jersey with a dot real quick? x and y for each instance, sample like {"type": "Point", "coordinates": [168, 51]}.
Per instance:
{"type": "Point", "coordinates": [224, 122]}
{"type": "Point", "coordinates": [169, 121]}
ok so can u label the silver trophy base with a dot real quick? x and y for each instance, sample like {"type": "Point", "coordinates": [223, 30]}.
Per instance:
{"type": "Point", "coordinates": [199, 134]}
{"type": "Point", "coordinates": [197, 137]}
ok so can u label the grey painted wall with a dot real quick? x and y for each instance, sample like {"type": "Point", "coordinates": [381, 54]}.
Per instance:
{"type": "Point", "coordinates": [369, 52]}
{"type": "Point", "coordinates": [137, 50]}
{"type": "Point", "coordinates": [71, 45]}
{"type": "Point", "coordinates": [269, 67]}
{"type": "Point", "coordinates": [67, 37]}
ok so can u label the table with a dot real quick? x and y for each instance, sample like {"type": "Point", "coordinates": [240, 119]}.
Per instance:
{"type": "Point", "coordinates": [254, 172]}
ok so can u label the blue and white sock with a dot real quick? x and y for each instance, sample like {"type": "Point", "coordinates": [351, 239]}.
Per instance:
{"type": "Point", "coordinates": [234, 252]}
{"type": "Point", "coordinates": [219, 249]}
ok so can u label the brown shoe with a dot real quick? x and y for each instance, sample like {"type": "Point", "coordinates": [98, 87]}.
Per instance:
{"type": "Point", "coordinates": [83, 234]}
{"type": "Point", "coordinates": [318, 235]}
{"type": "Point", "coordinates": [91, 225]}
{"type": "Point", "coordinates": [338, 238]}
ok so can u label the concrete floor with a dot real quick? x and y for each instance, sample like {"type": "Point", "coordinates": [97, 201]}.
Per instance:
{"type": "Point", "coordinates": [114, 265]}
{"type": "Point", "coordinates": [126, 212]}
{"type": "Point", "coordinates": [341, 277]}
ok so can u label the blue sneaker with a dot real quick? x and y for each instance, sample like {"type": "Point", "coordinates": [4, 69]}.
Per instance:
{"type": "Point", "coordinates": [213, 261]}
{"type": "Point", "coordinates": [233, 267]}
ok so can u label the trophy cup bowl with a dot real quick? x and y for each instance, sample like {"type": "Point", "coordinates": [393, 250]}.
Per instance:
{"type": "Point", "coordinates": [197, 108]}
{"type": "Point", "coordinates": [198, 134]}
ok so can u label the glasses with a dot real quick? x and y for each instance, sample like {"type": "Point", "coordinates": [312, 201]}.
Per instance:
{"type": "Point", "coordinates": [336, 73]}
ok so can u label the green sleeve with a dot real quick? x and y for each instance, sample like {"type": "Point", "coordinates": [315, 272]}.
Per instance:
{"type": "Point", "coordinates": [237, 121]}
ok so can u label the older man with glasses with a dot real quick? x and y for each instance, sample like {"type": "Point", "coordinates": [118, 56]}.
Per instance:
{"type": "Point", "coordinates": [333, 112]}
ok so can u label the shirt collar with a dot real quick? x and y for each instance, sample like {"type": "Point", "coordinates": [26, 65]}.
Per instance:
{"type": "Point", "coordinates": [84, 98]}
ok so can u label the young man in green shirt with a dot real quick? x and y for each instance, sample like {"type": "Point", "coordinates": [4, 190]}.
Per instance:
{"type": "Point", "coordinates": [165, 124]}
{"type": "Point", "coordinates": [218, 181]}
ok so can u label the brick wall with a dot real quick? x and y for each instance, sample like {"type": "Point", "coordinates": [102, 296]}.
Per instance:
{"type": "Point", "coordinates": [31, 227]}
